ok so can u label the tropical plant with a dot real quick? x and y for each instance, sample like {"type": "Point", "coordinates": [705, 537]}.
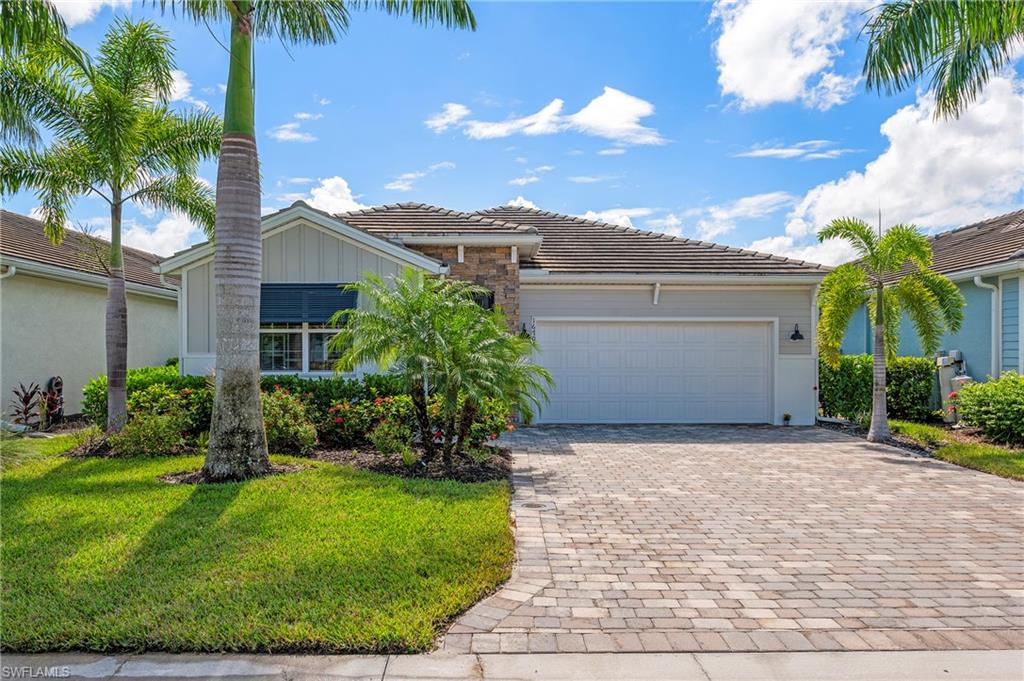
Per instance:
{"type": "Point", "coordinates": [433, 334]}
{"type": "Point", "coordinates": [959, 44]}
{"type": "Point", "coordinates": [26, 24]}
{"type": "Point", "coordinates": [892, 277]}
{"type": "Point", "coordinates": [25, 405]}
{"type": "Point", "coordinates": [114, 138]}
{"type": "Point", "coordinates": [238, 446]}
{"type": "Point", "coordinates": [289, 430]}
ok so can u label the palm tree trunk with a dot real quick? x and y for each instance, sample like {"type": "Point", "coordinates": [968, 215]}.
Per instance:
{"type": "Point", "coordinates": [238, 442]}
{"type": "Point", "coordinates": [420, 408]}
{"type": "Point", "coordinates": [117, 327]}
{"type": "Point", "coordinates": [879, 430]}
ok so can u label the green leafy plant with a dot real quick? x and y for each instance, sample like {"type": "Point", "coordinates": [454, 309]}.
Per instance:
{"type": "Point", "coordinates": [94, 394]}
{"type": "Point", "coordinates": [893, 277]}
{"type": "Point", "coordinates": [150, 435]}
{"type": "Point", "coordinates": [289, 430]}
{"type": "Point", "coordinates": [434, 335]}
{"type": "Point", "coordinates": [844, 388]}
{"type": "Point", "coordinates": [996, 407]}
{"type": "Point", "coordinates": [393, 437]}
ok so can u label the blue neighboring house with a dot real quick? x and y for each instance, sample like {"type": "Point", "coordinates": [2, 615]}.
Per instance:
{"type": "Point", "coordinates": [986, 261]}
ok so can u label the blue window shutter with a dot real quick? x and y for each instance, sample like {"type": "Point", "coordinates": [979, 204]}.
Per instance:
{"type": "Point", "coordinates": [313, 303]}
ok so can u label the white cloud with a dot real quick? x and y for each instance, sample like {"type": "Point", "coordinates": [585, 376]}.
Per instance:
{"type": "Point", "coordinates": [617, 216]}
{"type": "Point", "coordinates": [612, 151]}
{"type": "Point", "coordinates": [613, 115]}
{"type": "Point", "coordinates": [181, 89]}
{"type": "Point", "coordinates": [586, 179]}
{"type": "Point", "coordinates": [299, 180]}
{"type": "Point", "coordinates": [771, 52]}
{"type": "Point", "coordinates": [521, 202]}
{"type": "Point", "coordinates": [451, 114]}
{"type": "Point", "coordinates": [171, 234]}
{"type": "Point", "coordinates": [670, 224]}
{"type": "Point", "coordinates": [75, 12]}
{"type": "Point", "coordinates": [524, 180]}
{"type": "Point", "coordinates": [290, 132]}
{"type": "Point", "coordinates": [306, 116]}
{"type": "Point", "coordinates": [322, 101]}
{"type": "Point", "coordinates": [721, 219]}
{"type": "Point", "coordinates": [807, 150]}
{"type": "Point", "coordinates": [334, 196]}
{"type": "Point", "coordinates": [936, 174]}
{"type": "Point", "coordinates": [405, 181]}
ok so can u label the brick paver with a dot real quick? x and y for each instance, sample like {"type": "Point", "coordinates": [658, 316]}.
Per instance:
{"type": "Point", "coordinates": [678, 538]}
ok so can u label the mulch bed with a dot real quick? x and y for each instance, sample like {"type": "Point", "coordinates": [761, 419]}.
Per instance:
{"type": "Point", "coordinates": [496, 466]}
{"type": "Point", "coordinates": [197, 477]}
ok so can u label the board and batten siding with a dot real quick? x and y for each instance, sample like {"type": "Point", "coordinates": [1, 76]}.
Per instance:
{"type": "Point", "coordinates": [1010, 331]}
{"type": "Point", "coordinates": [301, 253]}
{"type": "Point", "coordinates": [792, 305]}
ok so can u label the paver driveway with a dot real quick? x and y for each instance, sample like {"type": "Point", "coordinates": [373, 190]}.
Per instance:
{"type": "Point", "coordinates": [676, 538]}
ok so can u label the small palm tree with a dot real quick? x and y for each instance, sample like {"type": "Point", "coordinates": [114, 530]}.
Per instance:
{"type": "Point", "coordinates": [892, 277]}
{"type": "Point", "coordinates": [238, 447]}
{"type": "Point", "coordinates": [114, 138]}
{"type": "Point", "coordinates": [959, 43]}
{"type": "Point", "coordinates": [433, 334]}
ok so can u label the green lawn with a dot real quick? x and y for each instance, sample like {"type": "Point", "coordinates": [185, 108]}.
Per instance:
{"type": "Point", "coordinates": [15, 450]}
{"type": "Point", "coordinates": [98, 554]}
{"type": "Point", "coordinates": [1002, 461]}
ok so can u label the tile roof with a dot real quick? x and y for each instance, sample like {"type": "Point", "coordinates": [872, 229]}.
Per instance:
{"type": "Point", "coordinates": [23, 237]}
{"type": "Point", "coordinates": [577, 245]}
{"type": "Point", "coordinates": [423, 219]}
{"type": "Point", "coordinates": [989, 242]}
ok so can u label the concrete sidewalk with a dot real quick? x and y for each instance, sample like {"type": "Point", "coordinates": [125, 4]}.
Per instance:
{"type": "Point", "coordinates": [964, 665]}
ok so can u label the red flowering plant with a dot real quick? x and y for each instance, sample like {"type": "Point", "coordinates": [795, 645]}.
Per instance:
{"type": "Point", "coordinates": [348, 423]}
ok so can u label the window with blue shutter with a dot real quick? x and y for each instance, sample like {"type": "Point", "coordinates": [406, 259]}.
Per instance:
{"type": "Point", "coordinates": [312, 303]}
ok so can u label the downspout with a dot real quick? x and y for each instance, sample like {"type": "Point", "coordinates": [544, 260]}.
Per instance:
{"type": "Point", "coordinates": [995, 322]}
{"type": "Point", "coordinates": [11, 270]}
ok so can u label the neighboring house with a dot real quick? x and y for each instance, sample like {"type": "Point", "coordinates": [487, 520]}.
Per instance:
{"type": "Point", "coordinates": [636, 327]}
{"type": "Point", "coordinates": [986, 261]}
{"type": "Point", "coordinates": [53, 309]}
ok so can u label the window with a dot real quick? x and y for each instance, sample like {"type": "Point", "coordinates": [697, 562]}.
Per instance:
{"type": "Point", "coordinates": [294, 335]}
{"type": "Point", "coordinates": [485, 300]}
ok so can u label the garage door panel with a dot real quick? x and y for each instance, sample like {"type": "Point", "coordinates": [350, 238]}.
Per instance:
{"type": "Point", "coordinates": [657, 372]}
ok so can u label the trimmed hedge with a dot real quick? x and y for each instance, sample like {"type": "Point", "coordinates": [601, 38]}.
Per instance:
{"type": "Point", "coordinates": [996, 406]}
{"type": "Point", "coordinates": [846, 390]}
{"type": "Point", "coordinates": [319, 393]}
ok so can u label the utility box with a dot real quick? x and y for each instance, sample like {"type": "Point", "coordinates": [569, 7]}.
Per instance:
{"type": "Point", "coordinates": [951, 379]}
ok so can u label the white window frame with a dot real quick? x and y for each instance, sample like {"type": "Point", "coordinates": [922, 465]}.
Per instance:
{"type": "Point", "coordinates": [305, 331]}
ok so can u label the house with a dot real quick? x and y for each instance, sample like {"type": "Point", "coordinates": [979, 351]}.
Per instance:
{"type": "Point", "coordinates": [636, 327]}
{"type": "Point", "coordinates": [986, 261]}
{"type": "Point", "coordinates": [53, 309]}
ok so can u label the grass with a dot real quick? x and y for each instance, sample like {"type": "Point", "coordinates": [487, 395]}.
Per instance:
{"type": "Point", "coordinates": [16, 450]}
{"type": "Point", "coordinates": [98, 554]}
{"type": "Point", "coordinates": [987, 457]}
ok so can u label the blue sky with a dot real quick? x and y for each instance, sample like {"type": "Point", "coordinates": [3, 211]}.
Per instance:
{"type": "Point", "coordinates": [743, 123]}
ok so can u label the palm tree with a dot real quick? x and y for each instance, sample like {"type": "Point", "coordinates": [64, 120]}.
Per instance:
{"type": "Point", "coordinates": [434, 335]}
{"type": "Point", "coordinates": [25, 24]}
{"type": "Point", "coordinates": [959, 43]}
{"type": "Point", "coordinates": [114, 138]}
{"type": "Point", "coordinates": [892, 277]}
{"type": "Point", "coordinates": [238, 447]}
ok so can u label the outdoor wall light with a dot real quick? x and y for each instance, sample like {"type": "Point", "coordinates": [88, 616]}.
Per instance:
{"type": "Point", "coordinates": [796, 335]}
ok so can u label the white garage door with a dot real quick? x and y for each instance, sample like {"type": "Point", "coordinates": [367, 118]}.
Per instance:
{"type": "Point", "coordinates": [657, 372]}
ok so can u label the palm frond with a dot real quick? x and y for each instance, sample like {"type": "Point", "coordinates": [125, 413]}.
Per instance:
{"type": "Point", "coordinates": [137, 59]}
{"type": "Point", "coordinates": [841, 293]}
{"type": "Point", "coordinates": [25, 24]}
{"type": "Point", "coordinates": [855, 231]}
{"type": "Point", "coordinates": [181, 194]}
{"type": "Point", "coordinates": [902, 244]}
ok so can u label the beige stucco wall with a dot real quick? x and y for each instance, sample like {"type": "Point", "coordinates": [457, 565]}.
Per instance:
{"type": "Point", "coordinates": [56, 328]}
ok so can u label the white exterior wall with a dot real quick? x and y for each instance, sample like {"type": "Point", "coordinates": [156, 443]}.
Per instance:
{"type": "Point", "coordinates": [50, 327]}
{"type": "Point", "coordinates": [795, 362]}
{"type": "Point", "coordinates": [302, 253]}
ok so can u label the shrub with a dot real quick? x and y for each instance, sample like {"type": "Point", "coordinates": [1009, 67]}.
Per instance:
{"type": "Point", "coordinates": [150, 435]}
{"type": "Point", "coordinates": [393, 437]}
{"type": "Point", "coordinates": [846, 390]}
{"type": "Point", "coordinates": [491, 421]}
{"type": "Point", "coordinates": [289, 430]}
{"type": "Point", "coordinates": [996, 407]}
{"type": "Point", "coordinates": [348, 423]}
{"type": "Point", "coordinates": [320, 394]}
{"type": "Point", "coordinates": [94, 402]}
{"type": "Point", "coordinates": [195, 406]}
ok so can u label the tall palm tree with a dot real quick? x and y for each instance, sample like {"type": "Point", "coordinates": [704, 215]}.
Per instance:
{"type": "Point", "coordinates": [113, 138]}
{"type": "Point", "coordinates": [238, 447]}
{"type": "Point", "coordinates": [959, 44]}
{"type": "Point", "coordinates": [892, 277]}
